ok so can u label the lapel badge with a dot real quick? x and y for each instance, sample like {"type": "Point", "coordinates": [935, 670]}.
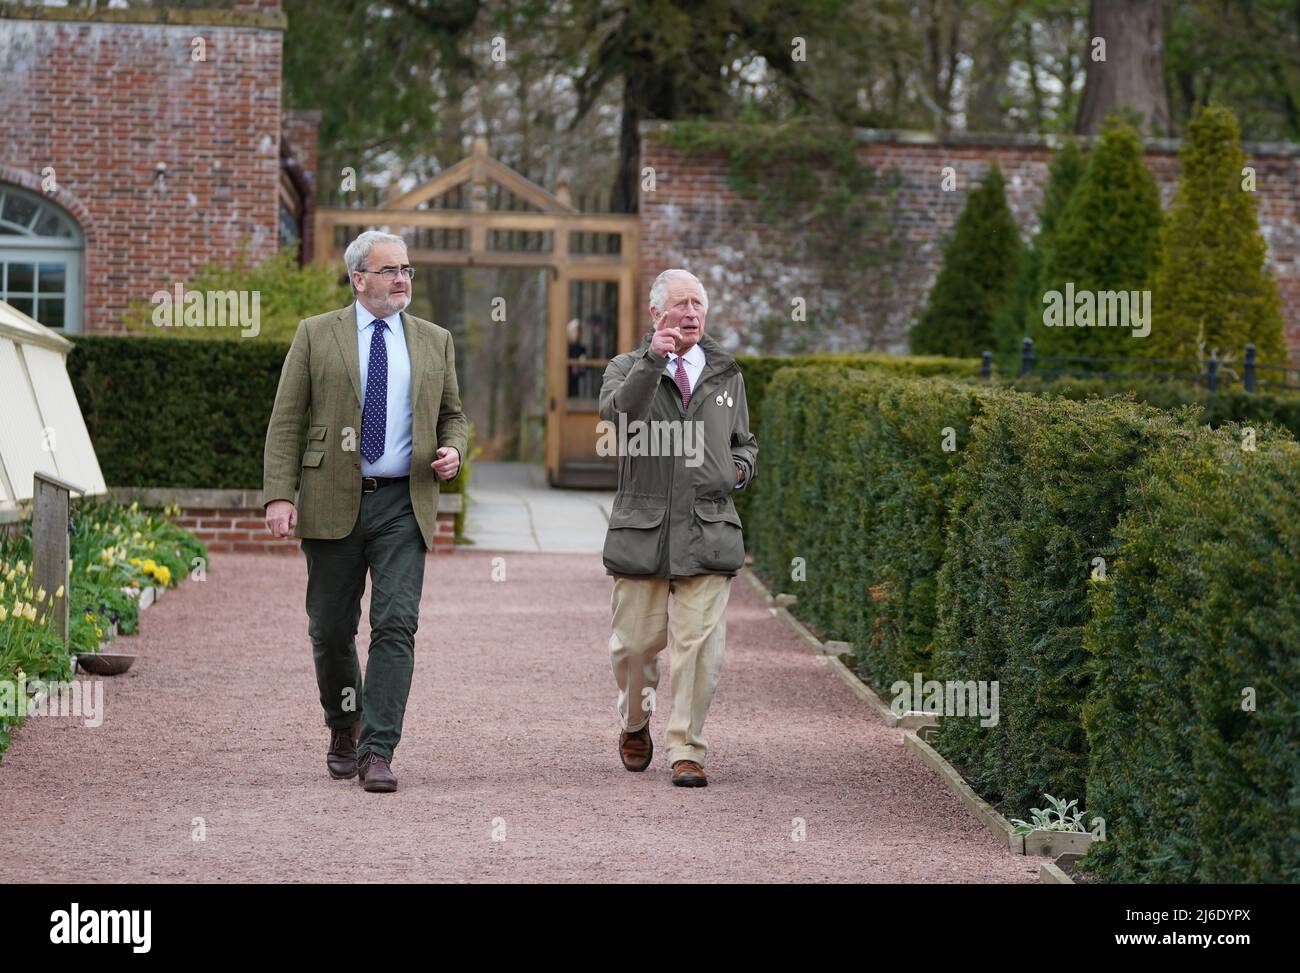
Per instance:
{"type": "Point", "coordinates": [718, 400]}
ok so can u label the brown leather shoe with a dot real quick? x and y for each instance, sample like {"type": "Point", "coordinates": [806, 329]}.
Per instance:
{"type": "Point", "coordinates": [374, 774]}
{"type": "Point", "coordinates": [636, 748]}
{"type": "Point", "coordinates": [341, 759]}
{"type": "Point", "coordinates": [687, 773]}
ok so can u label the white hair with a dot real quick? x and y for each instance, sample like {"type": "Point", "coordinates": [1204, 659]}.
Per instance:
{"type": "Point", "coordinates": [358, 250]}
{"type": "Point", "coordinates": [659, 289]}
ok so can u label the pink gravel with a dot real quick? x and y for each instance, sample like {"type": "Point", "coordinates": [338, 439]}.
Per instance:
{"type": "Point", "coordinates": [510, 733]}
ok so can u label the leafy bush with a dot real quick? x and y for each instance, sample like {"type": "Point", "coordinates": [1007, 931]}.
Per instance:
{"type": "Point", "coordinates": [287, 293]}
{"type": "Point", "coordinates": [1034, 503]}
{"type": "Point", "coordinates": [1107, 240]}
{"type": "Point", "coordinates": [1211, 289]}
{"type": "Point", "coordinates": [1193, 719]}
{"type": "Point", "coordinates": [980, 263]}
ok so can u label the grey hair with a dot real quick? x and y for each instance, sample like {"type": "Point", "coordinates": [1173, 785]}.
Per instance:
{"type": "Point", "coordinates": [659, 289]}
{"type": "Point", "coordinates": [358, 250]}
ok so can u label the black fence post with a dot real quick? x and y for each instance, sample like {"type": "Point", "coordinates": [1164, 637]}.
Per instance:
{"type": "Point", "coordinates": [1212, 373]}
{"type": "Point", "coordinates": [986, 365]}
{"type": "Point", "coordinates": [1027, 356]}
{"type": "Point", "coordinates": [1249, 378]}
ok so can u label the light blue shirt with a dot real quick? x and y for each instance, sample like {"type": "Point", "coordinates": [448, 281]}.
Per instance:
{"type": "Point", "coordinates": [396, 458]}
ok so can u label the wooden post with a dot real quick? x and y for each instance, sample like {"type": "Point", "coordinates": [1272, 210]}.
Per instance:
{"type": "Point", "coordinates": [50, 517]}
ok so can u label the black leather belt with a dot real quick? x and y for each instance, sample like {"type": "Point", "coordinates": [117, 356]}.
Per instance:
{"type": "Point", "coordinates": [369, 484]}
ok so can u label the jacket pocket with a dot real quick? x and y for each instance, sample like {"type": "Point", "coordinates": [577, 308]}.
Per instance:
{"type": "Point", "coordinates": [632, 541]}
{"type": "Point", "coordinates": [313, 457]}
{"type": "Point", "coordinates": [721, 546]}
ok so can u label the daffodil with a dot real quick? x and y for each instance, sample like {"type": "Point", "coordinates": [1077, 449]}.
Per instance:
{"type": "Point", "coordinates": [58, 592]}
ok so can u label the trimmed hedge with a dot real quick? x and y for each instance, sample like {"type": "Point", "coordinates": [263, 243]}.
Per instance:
{"type": "Point", "coordinates": [978, 565]}
{"type": "Point", "coordinates": [870, 526]}
{"type": "Point", "coordinates": [759, 370]}
{"type": "Point", "coordinates": [1229, 404]}
{"type": "Point", "coordinates": [177, 413]}
{"type": "Point", "coordinates": [1202, 604]}
{"type": "Point", "coordinates": [1034, 503]}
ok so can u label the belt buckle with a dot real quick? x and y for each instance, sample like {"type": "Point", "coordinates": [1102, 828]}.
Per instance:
{"type": "Point", "coordinates": [374, 484]}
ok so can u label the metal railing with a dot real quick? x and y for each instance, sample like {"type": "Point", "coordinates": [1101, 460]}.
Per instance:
{"type": "Point", "coordinates": [1209, 373]}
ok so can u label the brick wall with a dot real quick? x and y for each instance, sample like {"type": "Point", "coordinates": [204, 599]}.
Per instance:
{"type": "Point", "coordinates": [693, 219]}
{"type": "Point", "coordinates": [103, 101]}
{"type": "Point", "coordinates": [242, 530]}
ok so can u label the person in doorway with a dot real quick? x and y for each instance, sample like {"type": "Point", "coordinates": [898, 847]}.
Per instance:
{"type": "Point", "coordinates": [673, 528]}
{"type": "Point", "coordinates": [376, 388]}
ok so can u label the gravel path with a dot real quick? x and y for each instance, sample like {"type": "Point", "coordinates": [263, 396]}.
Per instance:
{"type": "Point", "coordinates": [510, 734]}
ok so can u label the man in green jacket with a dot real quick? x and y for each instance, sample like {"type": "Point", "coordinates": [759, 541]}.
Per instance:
{"type": "Point", "coordinates": [678, 403]}
{"type": "Point", "coordinates": [376, 389]}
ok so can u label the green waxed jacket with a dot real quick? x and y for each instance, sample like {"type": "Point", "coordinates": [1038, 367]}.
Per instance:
{"type": "Point", "coordinates": [321, 379]}
{"type": "Point", "coordinates": [673, 515]}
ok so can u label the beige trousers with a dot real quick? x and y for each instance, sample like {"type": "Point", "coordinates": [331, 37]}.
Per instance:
{"type": "Point", "coordinates": [695, 634]}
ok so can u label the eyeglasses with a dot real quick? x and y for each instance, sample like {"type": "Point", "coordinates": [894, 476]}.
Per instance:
{"type": "Point", "coordinates": [388, 273]}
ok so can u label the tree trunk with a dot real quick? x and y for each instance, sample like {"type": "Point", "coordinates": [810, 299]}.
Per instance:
{"type": "Point", "coordinates": [1133, 74]}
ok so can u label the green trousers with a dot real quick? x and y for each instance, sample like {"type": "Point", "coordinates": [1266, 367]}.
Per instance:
{"type": "Point", "coordinates": [386, 542]}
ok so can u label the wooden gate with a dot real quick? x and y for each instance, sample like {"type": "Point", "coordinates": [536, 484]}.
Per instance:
{"type": "Point", "coordinates": [481, 213]}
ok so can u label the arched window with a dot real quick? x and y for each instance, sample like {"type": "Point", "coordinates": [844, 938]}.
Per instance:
{"type": "Point", "coordinates": [40, 258]}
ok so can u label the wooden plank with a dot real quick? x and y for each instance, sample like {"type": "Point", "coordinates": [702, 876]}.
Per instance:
{"type": "Point", "coordinates": [50, 548]}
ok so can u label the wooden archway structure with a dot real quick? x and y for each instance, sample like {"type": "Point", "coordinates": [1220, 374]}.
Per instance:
{"type": "Point", "coordinates": [481, 213]}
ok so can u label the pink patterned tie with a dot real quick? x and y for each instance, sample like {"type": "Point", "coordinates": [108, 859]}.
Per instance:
{"type": "Point", "coordinates": [683, 382]}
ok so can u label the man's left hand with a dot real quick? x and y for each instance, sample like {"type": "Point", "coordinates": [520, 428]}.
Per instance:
{"type": "Point", "coordinates": [447, 465]}
{"type": "Point", "coordinates": [740, 473]}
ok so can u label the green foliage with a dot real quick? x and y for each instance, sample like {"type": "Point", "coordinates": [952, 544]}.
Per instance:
{"type": "Point", "coordinates": [1231, 403]}
{"type": "Point", "coordinates": [1025, 303]}
{"type": "Point", "coordinates": [209, 430]}
{"type": "Point", "coordinates": [112, 549]}
{"type": "Point", "coordinates": [1039, 493]}
{"type": "Point", "coordinates": [1057, 816]}
{"type": "Point", "coordinates": [1211, 291]}
{"type": "Point", "coordinates": [287, 294]}
{"type": "Point", "coordinates": [1106, 241]}
{"type": "Point", "coordinates": [1202, 604]}
{"type": "Point", "coordinates": [980, 264]}
{"type": "Point", "coordinates": [759, 370]}
{"type": "Point", "coordinates": [980, 565]}
{"type": "Point", "coordinates": [870, 527]}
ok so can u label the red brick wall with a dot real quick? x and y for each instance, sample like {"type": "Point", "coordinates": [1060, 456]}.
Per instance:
{"type": "Point", "coordinates": [243, 530]}
{"type": "Point", "coordinates": [695, 220]}
{"type": "Point", "coordinates": [104, 102]}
